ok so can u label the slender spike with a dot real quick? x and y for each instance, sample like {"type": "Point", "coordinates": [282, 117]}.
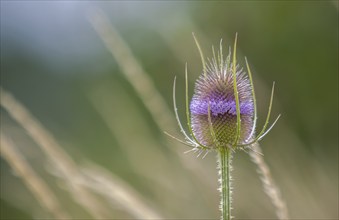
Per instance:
{"type": "Point", "coordinates": [213, 52]}
{"type": "Point", "coordinates": [236, 91]}
{"type": "Point", "coordinates": [221, 61]}
{"type": "Point", "coordinates": [188, 112]}
{"type": "Point", "coordinates": [177, 139]}
{"type": "Point", "coordinates": [228, 60]}
{"type": "Point", "coordinates": [214, 63]}
{"type": "Point", "coordinates": [209, 67]}
{"type": "Point", "coordinates": [201, 54]}
{"type": "Point", "coordinates": [269, 129]}
{"type": "Point", "coordinates": [254, 100]}
{"type": "Point", "coordinates": [200, 152]}
{"type": "Point", "coordinates": [191, 150]}
{"type": "Point", "coordinates": [176, 113]}
{"type": "Point", "coordinates": [205, 154]}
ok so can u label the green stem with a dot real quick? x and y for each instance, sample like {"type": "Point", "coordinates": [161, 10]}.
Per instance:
{"type": "Point", "coordinates": [225, 182]}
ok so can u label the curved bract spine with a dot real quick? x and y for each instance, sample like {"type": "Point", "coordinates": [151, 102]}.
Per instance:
{"type": "Point", "coordinates": [235, 87]}
{"type": "Point", "coordinates": [201, 54]}
{"type": "Point", "coordinates": [255, 117]}
{"type": "Point", "coordinates": [176, 113]}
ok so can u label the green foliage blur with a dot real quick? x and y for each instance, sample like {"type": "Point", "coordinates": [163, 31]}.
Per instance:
{"type": "Point", "coordinates": [54, 62]}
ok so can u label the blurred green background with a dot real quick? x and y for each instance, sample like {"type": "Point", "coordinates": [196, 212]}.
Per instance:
{"type": "Point", "coordinates": [55, 63]}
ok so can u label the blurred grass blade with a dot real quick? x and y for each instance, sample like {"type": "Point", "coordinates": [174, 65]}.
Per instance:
{"type": "Point", "coordinates": [268, 183]}
{"type": "Point", "coordinates": [32, 180]}
{"type": "Point", "coordinates": [143, 85]}
{"type": "Point", "coordinates": [60, 159]}
{"type": "Point", "coordinates": [132, 70]}
{"type": "Point", "coordinates": [78, 182]}
{"type": "Point", "coordinates": [116, 190]}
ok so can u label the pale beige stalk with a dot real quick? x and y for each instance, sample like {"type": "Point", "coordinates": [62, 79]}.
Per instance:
{"type": "Point", "coordinates": [268, 183]}
{"type": "Point", "coordinates": [72, 174]}
{"type": "Point", "coordinates": [60, 159]}
{"type": "Point", "coordinates": [31, 179]}
{"type": "Point", "coordinates": [116, 191]}
{"type": "Point", "coordinates": [143, 85]}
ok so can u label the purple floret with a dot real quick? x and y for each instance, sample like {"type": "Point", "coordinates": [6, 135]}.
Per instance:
{"type": "Point", "coordinates": [219, 106]}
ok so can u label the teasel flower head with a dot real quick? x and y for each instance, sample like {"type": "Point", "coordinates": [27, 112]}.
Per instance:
{"type": "Point", "coordinates": [222, 112]}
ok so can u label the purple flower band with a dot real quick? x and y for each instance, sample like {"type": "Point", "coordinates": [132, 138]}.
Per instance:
{"type": "Point", "coordinates": [219, 106]}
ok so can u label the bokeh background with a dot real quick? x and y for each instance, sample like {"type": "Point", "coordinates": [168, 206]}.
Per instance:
{"type": "Point", "coordinates": [107, 104]}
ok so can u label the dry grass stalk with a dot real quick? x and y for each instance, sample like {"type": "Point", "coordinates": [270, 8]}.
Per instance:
{"type": "Point", "coordinates": [32, 180]}
{"type": "Point", "coordinates": [133, 71]}
{"type": "Point", "coordinates": [117, 191]}
{"type": "Point", "coordinates": [55, 153]}
{"type": "Point", "coordinates": [270, 187]}
{"type": "Point", "coordinates": [79, 179]}
{"type": "Point", "coordinates": [106, 111]}
{"type": "Point", "coordinates": [144, 86]}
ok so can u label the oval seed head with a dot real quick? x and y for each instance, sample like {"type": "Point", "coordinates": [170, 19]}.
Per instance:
{"type": "Point", "coordinates": [213, 106]}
